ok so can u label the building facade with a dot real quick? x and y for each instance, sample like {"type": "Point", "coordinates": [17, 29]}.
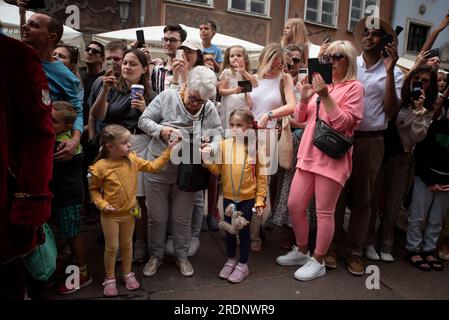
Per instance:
{"type": "Point", "coordinates": [419, 18]}
{"type": "Point", "coordinates": [258, 21]}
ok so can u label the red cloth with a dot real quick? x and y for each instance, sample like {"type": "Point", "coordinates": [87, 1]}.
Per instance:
{"type": "Point", "coordinates": [26, 148]}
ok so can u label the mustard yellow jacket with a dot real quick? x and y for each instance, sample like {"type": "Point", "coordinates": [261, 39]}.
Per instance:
{"type": "Point", "coordinates": [254, 183]}
{"type": "Point", "coordinates": [114, 182]}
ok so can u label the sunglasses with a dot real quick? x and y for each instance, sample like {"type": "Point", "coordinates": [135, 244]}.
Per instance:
{"type": "Point", "coordinates": [328, 58]}
{"type": "Point", "coordinates": [296, 60]}
{"type": "Point", "coordinates": [93, 50]}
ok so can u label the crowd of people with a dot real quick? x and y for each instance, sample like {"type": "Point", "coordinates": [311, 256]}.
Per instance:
{"type": "Point", "coordinates": [102, 143]}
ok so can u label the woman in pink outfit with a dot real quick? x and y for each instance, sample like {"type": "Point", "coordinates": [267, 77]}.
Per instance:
{"type": "Point", "coordinates": [341, 107]}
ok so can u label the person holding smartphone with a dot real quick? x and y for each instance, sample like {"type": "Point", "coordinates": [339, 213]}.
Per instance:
{"type": "Point", "coordinates": [382, 81]}
{"type": "Point", "coordinates": [342, 105]}
{"type": "Point", "coordinates": [418, 104]}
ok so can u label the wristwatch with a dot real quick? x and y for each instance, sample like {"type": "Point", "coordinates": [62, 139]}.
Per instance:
{"type": "Point", "coordinates": [270, 115]}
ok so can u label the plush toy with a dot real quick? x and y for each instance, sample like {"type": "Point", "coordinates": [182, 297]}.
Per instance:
{"type": "Point", "coordinates": [238, 221]}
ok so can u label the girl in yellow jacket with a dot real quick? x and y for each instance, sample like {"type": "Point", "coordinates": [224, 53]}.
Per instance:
{"type": "Point", "coordinates": [113, 189]}
{"type": "Point", "coordinates": [244, 187]}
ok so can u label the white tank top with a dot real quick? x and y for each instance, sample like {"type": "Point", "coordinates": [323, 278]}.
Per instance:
{"type": "Point", "coordinates": [266, 96]}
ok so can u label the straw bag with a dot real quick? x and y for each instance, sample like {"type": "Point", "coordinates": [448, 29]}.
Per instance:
{"type": "Point", "coordinates": [285, 145]}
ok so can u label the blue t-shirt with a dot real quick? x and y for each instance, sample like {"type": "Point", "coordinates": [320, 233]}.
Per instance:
{"type": "Point", "coordinates": [215, 50]}
{"type": "Point", "coordinates": [64, 86]}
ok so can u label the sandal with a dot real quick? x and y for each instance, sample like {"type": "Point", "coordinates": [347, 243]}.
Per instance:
{"type": "Point", "coordinates": [434, 263]}
{"type": "Point", "coordinates": [256, 247]}
{"type": "Point", "coordinates": [110, 288]}
{"type": "Point", "coordinates": [420, 263]}
{"type": "Point", "coordinates": [227, 269]}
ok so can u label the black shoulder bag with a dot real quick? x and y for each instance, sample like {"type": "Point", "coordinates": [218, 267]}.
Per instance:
{"type": "Point", "coordinates": [329, 140]}
{"type": "Point", "coordinates": [193, 177]}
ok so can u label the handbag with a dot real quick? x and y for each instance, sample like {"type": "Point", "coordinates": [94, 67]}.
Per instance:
{"type": "Point", "coordinates": [193, 177]}
{"type": "Point", "coordinates": [329, 140]}
{"type": "Point", "coordinates": [285, 145]}
{"type": "Point", "coordinates": [41, 263]}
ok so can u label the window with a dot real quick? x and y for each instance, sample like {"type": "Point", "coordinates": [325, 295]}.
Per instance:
{"type": "Point", "coordinates": [205, 2]}
{"type": "Point", "coordinates": [417, 35]}
{"type": "Point", "coordinates": [358, 11]}
{"type": "Point", "coordinates": [252, 6]}
{"type": "Point", "coordinates": [321, 11]}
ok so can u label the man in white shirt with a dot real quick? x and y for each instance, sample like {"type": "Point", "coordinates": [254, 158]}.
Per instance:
{"type": "Point", "coordinates": [382, 82]}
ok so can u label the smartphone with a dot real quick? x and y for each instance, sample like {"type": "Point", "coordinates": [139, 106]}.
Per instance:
{"type": "Point", "coordinates": [417, 86]}
{"type": "Point", "coordinates": [302, 74]}
{"type": "Point", "coordinates": [387, 38]}
{"type": "Point", "coordinates": [179, 54]}
{"type": "Point", "coordinates": [433, 53]}
{"type": "Point", "coordinates": [37, 4]}
{"type": "Point", "coordinates": [246, 85]}
{"type": "Point", "coordinates": [398, 30]}
{"type": "Point", "coordinates": [324, 69]}
{"type": "Point", "coordinates": [140, 38]}
{"type": "Point", "coordinates": [110, 65]}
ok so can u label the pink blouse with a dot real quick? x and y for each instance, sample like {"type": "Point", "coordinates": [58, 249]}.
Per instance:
{"type": "Point", "coordinates": [345, 117]}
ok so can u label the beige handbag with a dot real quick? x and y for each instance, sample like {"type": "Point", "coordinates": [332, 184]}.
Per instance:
{"type": "Point", "coordinates": [285, 144]}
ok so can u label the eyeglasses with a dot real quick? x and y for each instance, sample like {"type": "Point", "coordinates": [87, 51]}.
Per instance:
{"type": "Point", "coordinates": [372, 33]}
{"type": "Point", "coordinates": [328, 58]}
{"type": "Point", "coordinates": [194, 99]}
{"type": "Point", "coordinates": [170, 40]}
{"type": "Point", "coordinates": [296, 60]}
{"type": "Point", "coordinates": [93, 50]}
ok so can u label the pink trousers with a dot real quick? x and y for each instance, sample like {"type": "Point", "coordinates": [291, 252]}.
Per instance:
{"type": "Point", "coordinates": [327, 191]}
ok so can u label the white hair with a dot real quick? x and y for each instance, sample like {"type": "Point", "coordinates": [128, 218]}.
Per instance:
{"type": "Point", "coordinates": [204, 81]}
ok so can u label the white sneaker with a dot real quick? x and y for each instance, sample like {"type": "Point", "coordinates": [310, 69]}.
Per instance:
{"type": "Point", "coordinates": [194, 246]}
{"type": "Point", "coordinates": [185, 267]}
{"type": "Point", "coordinates": [151, 267]}
{"type": "Point", "coordinates": [293, 258]}
{"type": "Point", "coordinates": [387, 257]}
{"type": "Point", "coordinates": [140, 251]}
{"type": "Point", "coordinates": [371, 253]}
{"type": "Point", "coordinates": [311, 270]}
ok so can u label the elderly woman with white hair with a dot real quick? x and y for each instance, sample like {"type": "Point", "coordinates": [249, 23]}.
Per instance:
{"type": "Point", "coordinates": [173, 114]}
{"type": "Point", "coordinates": [341, 107]}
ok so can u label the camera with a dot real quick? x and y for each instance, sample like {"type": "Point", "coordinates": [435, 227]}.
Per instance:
{"type": "Point", "coordinates": [417, 86]}
{"type": "Point", "coordinates": [246, 85]}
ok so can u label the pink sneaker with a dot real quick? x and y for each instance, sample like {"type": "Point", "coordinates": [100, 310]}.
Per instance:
{"type": "Point", "coordinates": [240, 272]}
{"type": "Point", "coordinates": [110, 288]}
{"type": "Point", "coordinates": [227, 269]}
{"type": "Point", "coordinates": [131, 282]}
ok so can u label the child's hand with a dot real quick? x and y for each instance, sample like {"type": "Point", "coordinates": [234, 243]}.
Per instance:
{"type": "Point", "coordinates": [239, 66]}
{"type": "Point", "coordinates": [206, 149]}
{"type": "Point", "coordinates": [109, 209]}
{"type": "Point", "coordinates": [173, 142]}
{"type": "Point", "coordinates": [259, 211]}
{"type": "Point", "coordinates": [238, 90]}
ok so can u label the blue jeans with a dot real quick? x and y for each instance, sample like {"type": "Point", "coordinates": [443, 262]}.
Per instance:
{"type": "Point", "coordinates": [244, 234]}
{"type": "Point", "coordinates": [426, 208]}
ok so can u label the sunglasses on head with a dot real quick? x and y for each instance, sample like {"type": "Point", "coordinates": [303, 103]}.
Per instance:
{"type": "Point", "coordinates": [328, 58]}
{"type": "Point", "coordinates": [93, 50]}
